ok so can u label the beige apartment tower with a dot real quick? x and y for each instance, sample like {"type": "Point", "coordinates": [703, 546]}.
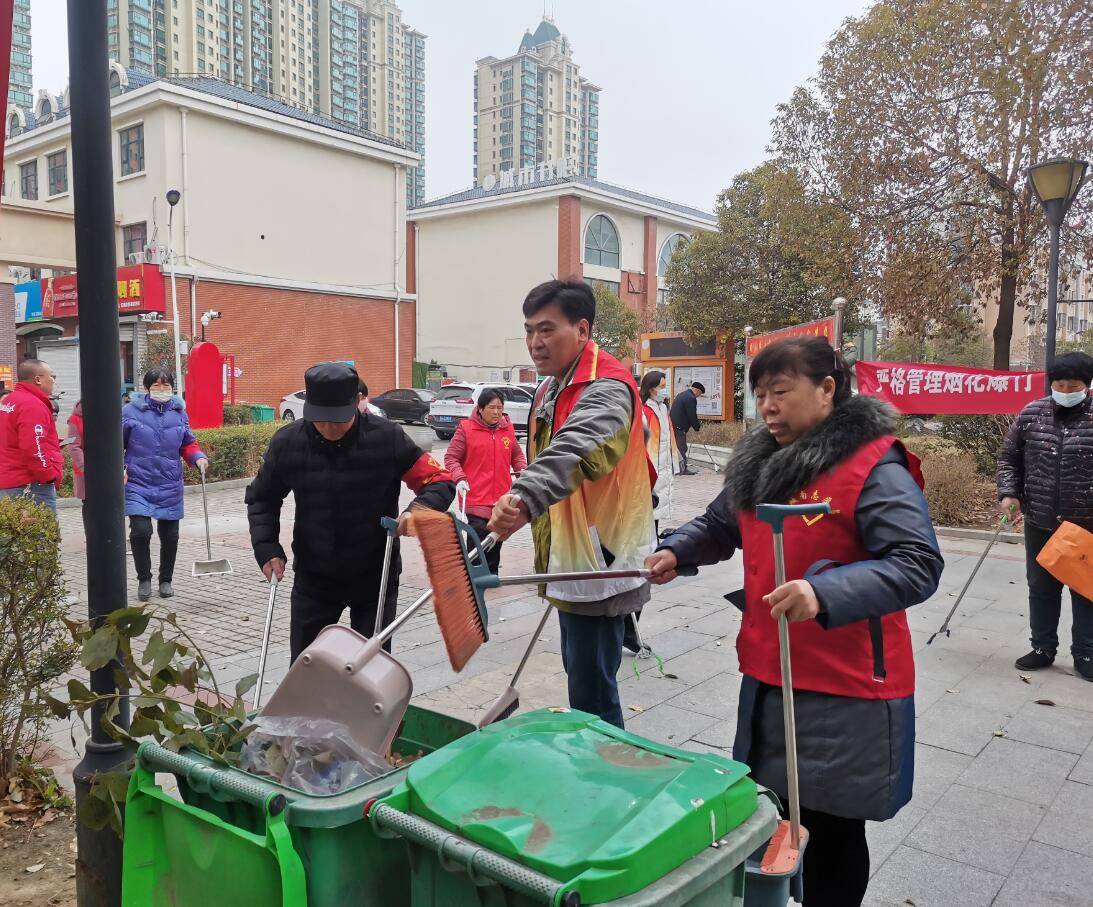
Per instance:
{"type": "Point", "coordinates": [533, 107]}
{"type": "Point", "coordinates": [351, 60]}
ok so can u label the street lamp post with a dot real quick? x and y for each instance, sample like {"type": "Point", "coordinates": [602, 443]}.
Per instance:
{"type": "Point", "coordinates": [1055, 183]}
{"type": "Point", "coordinates": [748, 331]}
{"type": "Point", "coordinates": [173, 195]}
{"type": "Point", "coordinates": [98, 864]}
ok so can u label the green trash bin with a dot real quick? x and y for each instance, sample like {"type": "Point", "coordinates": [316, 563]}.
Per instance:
{"type": "Point", "coordinates": [261, 413]}
{"type": "Point", "coordinates": [251, 831]}
{"type": "Point", "coordinates": [557, 807]}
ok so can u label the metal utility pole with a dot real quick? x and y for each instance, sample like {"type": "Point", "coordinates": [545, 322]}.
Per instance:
{"type": "Point", "coordinates": [98, 863]}
{"type": "Point", "coordinates": [838, 305]}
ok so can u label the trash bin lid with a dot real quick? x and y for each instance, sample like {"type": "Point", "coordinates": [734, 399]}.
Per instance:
{"type": "Point", "coordinates": [580, 800]}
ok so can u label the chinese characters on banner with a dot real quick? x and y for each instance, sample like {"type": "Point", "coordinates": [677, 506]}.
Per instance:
{"type": "Point", "coordinates": [936, 389]}
{"type": "Point", "coordinates": [824, 328]}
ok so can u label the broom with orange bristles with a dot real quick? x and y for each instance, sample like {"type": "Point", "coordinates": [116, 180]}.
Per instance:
{"type": "Point", "coordinates": [459, 580]}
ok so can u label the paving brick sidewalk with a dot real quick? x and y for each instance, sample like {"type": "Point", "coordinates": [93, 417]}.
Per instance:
{"type": "Point", "coordinates": [1004, 784]}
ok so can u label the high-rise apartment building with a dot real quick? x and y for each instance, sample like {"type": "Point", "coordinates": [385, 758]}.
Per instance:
{"type": "Point", "coordinates": [533, 107]}
{"type": "Point", "coordinates": [19, 88]}
{"type": "Point", "coordinates": [376, 75]}
{"type": "Point", "coordinates": [352, 60]}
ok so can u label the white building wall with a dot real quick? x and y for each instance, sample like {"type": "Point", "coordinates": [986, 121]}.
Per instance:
{"type": "Point", "coordinates": [474, 271]}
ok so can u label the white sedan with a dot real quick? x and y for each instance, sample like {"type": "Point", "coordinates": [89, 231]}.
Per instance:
{"type": "Point", "coordinates": [292, 407]}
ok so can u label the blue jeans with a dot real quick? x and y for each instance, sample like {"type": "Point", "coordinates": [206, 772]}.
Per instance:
{"type": "Point", "coordinates": [36, 491]}
{"type": "Point", "coordinates": [1045, 596]}
{"type": "Point", "coordinates": [591, 655]}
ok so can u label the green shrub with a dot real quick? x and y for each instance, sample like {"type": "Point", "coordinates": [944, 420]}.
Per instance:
{"type": "Point", "coordinates": [234, 451]}
{"type": "Point", "coordinates": [955, 493]}
{"type": "Point", "coordinates": [238, 414]}
{"type": "Point", "coordinates": [980, 437]}
{"type": "Point", "coordinates": [35, 649]}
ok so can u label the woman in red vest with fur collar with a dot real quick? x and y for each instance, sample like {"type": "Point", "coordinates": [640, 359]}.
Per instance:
{"type": "Point", "coordinates": [853, 573]}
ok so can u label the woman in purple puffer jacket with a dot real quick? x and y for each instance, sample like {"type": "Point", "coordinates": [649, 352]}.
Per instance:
{"type": "Point", "coordinates": [157, 437]}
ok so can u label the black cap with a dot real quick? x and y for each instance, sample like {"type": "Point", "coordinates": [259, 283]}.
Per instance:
{"type": "Point", "coordinates": [330, 393]}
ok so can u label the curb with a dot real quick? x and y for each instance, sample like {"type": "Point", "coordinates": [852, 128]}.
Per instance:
{"type": "Point", "coordinates": [979, 535]}
{"type": "Point", "coordinates": [189, 490]}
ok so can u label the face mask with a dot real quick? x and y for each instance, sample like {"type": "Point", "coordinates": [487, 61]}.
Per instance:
{"type": "Point", "coordinates": [1067, 400]}
{"type": "Point", "coordinates": [161, 396]}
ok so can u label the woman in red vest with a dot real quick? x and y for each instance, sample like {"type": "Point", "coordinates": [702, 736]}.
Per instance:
{"type": "Point", "coordinates": [853, 573]}
{"type": "Point", "coordinates": [481, 458]}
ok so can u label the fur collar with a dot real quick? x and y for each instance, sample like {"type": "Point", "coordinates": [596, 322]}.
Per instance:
{"type": "Point", "coordinates": [761, 471]}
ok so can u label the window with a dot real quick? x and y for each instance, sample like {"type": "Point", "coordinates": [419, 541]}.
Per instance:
{"type": "Point", "coordinates": [601, 243]}
{"type": "Point", "coordinates": [666, 252]}
{"type": "Point", "coordinates": [134, 238]}
{"type": "Point", "coordinates": [28, 180]}
{"type": "Point", "coordinates": [57, 170]}
{"type": "Point", "coordinates": [131, 144]}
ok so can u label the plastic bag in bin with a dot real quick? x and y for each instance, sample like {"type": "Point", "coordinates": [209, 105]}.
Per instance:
{"type": "Point", "coordinates": [316, 756]}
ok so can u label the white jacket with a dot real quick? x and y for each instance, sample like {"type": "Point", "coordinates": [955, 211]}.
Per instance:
{"type": "Point", "coordinates": [663, 457]}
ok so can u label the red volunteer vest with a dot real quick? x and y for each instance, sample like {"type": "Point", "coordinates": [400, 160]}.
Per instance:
{"type": "Point", "coordinates": [488, 461]}
{"type": "Point", "coordinates": [868, 659]}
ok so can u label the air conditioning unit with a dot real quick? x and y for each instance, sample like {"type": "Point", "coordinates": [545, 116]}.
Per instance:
{"type": "Point", "coordinates": [134, 258]}
{"type": "Point", "coordinates": [150, 256]}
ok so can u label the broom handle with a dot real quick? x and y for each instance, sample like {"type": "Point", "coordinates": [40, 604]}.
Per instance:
{"type": "Point", "coordinates": [387, 632]}
{"type": "Point", "coordinates": [532, 579]}
{"type": "Point", "coordinates": [789, 718]}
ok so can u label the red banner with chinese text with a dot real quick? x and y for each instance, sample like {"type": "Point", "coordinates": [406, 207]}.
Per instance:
{"type": "Point", "coordinates": [918, 389]}
{"type": "Point", "coordinates": [824, 328]}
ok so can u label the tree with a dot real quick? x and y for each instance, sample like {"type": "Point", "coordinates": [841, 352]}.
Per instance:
{"type": "Point", "coordinates": [778, 258]}
{"type": "Point", "coordinates": [160, 353]}
{"type": "Point", "coordinates": [920, 123]}
{"type": "Point", "coordinates": [617, 325]}
{"type": "Point", "coordinates": [958, 344]}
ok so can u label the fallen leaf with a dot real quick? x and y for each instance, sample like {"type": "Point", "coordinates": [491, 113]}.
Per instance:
{"type": "Point", "coordinates": [636, 708]}
{"type": "Point", "coordinates": [37, 867]}
{"type": "Point", "coordinates": [1044, 702]}
{"type": "Point", "coordinates": [719, 642]}
{"type": "Point", "coordinates": [952, 691]}
{"type": "Point", "coordinates": [1000, 733]}
{"type": "Point", "coordinates": [1024, 678]}
{"type": "Point", "coordinates": [670, 676]}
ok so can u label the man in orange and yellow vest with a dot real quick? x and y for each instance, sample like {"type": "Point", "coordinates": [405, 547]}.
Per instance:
{"type": "Point", "coordinates": [586, 490]}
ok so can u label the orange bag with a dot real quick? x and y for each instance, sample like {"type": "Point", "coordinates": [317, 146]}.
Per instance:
{"type": "Point", "coordinates": [1068, 556]}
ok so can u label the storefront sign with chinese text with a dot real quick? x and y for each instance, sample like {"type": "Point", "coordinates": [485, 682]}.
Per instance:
{"type": "Point", "coordinates": [140, 289]}
{"type": "Point", "coordinates": [914, 388]}
{"type": "Point", "coordinates": [824, 328]}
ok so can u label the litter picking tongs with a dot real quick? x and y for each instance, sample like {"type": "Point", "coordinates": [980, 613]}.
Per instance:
{"type": "Point", "coordinates": [273, 583]}
{"type": "Point", "coordinates": [209, 567]}
{"type": "Point", "coordinates": [944, 628]}
{"type": "Point", "coordinates": [783, 854]}
{"type": "Point", "coordinates": [391, 528]}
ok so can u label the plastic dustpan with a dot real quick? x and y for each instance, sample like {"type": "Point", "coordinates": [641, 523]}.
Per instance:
{"type": "Point", "coordinates": [336, 679]}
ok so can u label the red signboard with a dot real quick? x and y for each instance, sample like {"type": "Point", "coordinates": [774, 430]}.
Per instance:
{"type": "Point", "coordinates": [824, 328]}
{"type": "Point", "coordinates": [140, 289]}
{"type": "Point", "coordinates": [914, 388]}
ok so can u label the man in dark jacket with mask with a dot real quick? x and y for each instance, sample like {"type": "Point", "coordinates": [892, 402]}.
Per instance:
{"type": "Point", "coordinates": [345, 469]}
{"type": "Point", "coordinates": [1045, 474]}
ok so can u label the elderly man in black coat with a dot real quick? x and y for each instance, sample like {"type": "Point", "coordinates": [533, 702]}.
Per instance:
{"type": "Point", "coordinates": [684, 416]}
{"type": "Point", "coordinates": [345, 469]}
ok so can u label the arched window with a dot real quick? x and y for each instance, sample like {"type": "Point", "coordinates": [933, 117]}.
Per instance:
{"type": "Point", "coordinates": [115, 84]}
{"type": "Point", "coordinates": [45, 111]}
{"type": "Point", "coordinates": [119, 78]}
{"type": "Point", "coordinates": [601, 242]}
{"type": "Point", "coordinates": [15, 124]}
{"type": "Point", "coordinates": [666, 252]}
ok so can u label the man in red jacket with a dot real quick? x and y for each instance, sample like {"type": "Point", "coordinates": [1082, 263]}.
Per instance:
{"type": "Point", "coordinates": [30, 452]}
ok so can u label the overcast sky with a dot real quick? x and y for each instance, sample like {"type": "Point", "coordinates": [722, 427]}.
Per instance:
{"type": "Point", "coordinates": [689, 86]}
